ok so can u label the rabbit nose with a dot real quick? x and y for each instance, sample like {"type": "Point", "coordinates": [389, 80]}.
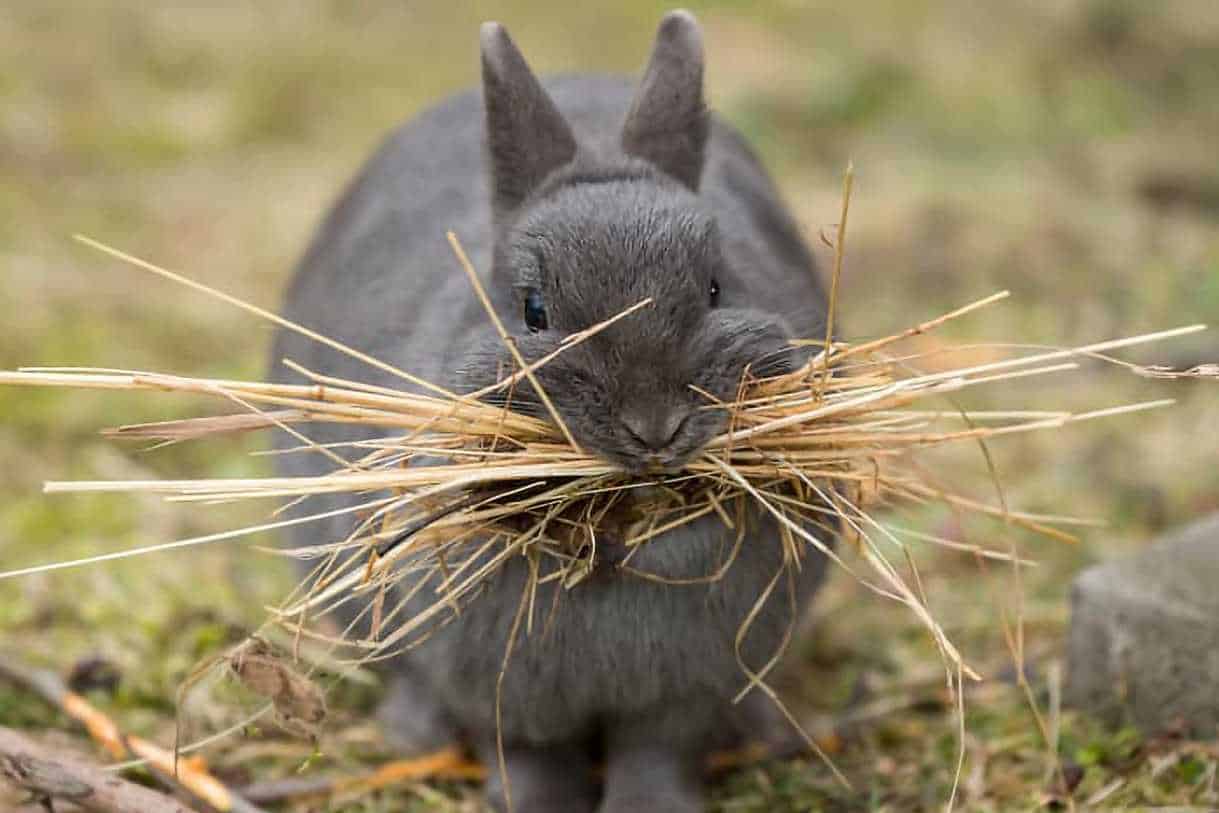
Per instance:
{"type": "Point", "coordinates": [655, 428]}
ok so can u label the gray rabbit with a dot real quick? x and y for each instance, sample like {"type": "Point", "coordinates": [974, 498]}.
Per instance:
{"type": "Point", "coordinates": [577, 197]}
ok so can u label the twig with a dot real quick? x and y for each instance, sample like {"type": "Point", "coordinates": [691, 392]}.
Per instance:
{"type": "Point", "coordinates": [196, 782]}
{"type": "Point", "coordinates": [451, 764]}
{"type": "Point", "coordinates": [448, 763]}
{"type": "Point", "coordinates": [48, 776]}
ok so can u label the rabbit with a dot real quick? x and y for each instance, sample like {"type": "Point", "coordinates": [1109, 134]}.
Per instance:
{"type": "Point", "coordinates": [575, 197]}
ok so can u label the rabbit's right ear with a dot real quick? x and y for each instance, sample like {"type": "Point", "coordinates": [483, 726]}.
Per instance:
{"type": "Point", "coordinates": [668, 121]}
{"type": "Point", "coordinates": [527, 136]}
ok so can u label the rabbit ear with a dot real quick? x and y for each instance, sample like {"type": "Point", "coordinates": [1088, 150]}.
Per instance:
{"type": "Point", "coordinates": [527, 136]}
{"type": "Point", "coordinates": [668, 121]}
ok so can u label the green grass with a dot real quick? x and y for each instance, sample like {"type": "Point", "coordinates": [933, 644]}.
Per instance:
{"type": "Point", "coordinates": [1064, 150]}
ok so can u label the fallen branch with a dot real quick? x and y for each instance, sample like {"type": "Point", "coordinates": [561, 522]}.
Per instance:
{"type": "Point", "coordinates": [48, 776]}
{"type": "Point", "coordinates": [186, 776]}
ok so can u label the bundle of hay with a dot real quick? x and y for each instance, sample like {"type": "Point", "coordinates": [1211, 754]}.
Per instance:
{"type": "Point", "coordinates": [817, 448]}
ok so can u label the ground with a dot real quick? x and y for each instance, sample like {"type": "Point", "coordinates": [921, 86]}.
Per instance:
{"type": "Point", "coordinates": [1060, 149]}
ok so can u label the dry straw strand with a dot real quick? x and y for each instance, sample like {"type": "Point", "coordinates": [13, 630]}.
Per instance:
{"type": "Point", "coordinates": [812, 459]}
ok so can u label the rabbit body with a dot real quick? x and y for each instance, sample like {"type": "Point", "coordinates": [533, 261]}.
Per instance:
{"type": "Point", "coordinates": [643, 669]}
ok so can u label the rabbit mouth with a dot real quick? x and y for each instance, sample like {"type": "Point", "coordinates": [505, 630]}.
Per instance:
{"type": "Point", "coordinates": [622, 447]}
{"type": "Point", "coordinates": [641, 458]}
{"type": "Point", "coordinates": [649, 466]}
{"type": "Point", "coordinates": [660, 466]}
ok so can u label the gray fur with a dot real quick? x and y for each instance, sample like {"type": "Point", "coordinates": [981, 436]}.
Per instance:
{"type": "Point", "coordinates": [667, 123]}
{"type": "Point", "coordinates": [646, 669]}
{"type": "Point", "coordinates": [527, 137]}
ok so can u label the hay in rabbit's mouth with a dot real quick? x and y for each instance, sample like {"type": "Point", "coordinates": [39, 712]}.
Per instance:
{"type": "Point", "coordinates": [818, 450]}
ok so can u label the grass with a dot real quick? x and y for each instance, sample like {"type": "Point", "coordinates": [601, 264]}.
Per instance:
{"type": "Point", "coordinates": [1062, 150]}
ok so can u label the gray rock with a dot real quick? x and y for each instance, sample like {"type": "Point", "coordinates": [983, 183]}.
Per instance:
{"type": "Point", "coordinates": [1144, 640]}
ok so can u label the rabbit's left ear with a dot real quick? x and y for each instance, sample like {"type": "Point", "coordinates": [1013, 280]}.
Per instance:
{"type": "Point", "coordinates": [668, 121]}
{"type": "Point", "coordinates": [527, 136]}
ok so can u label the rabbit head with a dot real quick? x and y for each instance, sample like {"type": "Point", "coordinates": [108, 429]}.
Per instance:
{"type": "Point", "coordinates": [583, 232]}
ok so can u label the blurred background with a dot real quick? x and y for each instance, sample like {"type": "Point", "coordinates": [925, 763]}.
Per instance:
{"type": "Point", "coordinates": [1062, 149]}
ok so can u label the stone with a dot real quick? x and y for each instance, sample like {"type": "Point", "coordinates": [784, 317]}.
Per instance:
{"type": "Point", "coordinates": [1144, 637]}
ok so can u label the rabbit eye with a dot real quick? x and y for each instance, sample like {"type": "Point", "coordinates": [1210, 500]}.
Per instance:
{"type": "Point", "coordinates": [715, 294]}
{"type": "Point", "coordinates": [535, 311]}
